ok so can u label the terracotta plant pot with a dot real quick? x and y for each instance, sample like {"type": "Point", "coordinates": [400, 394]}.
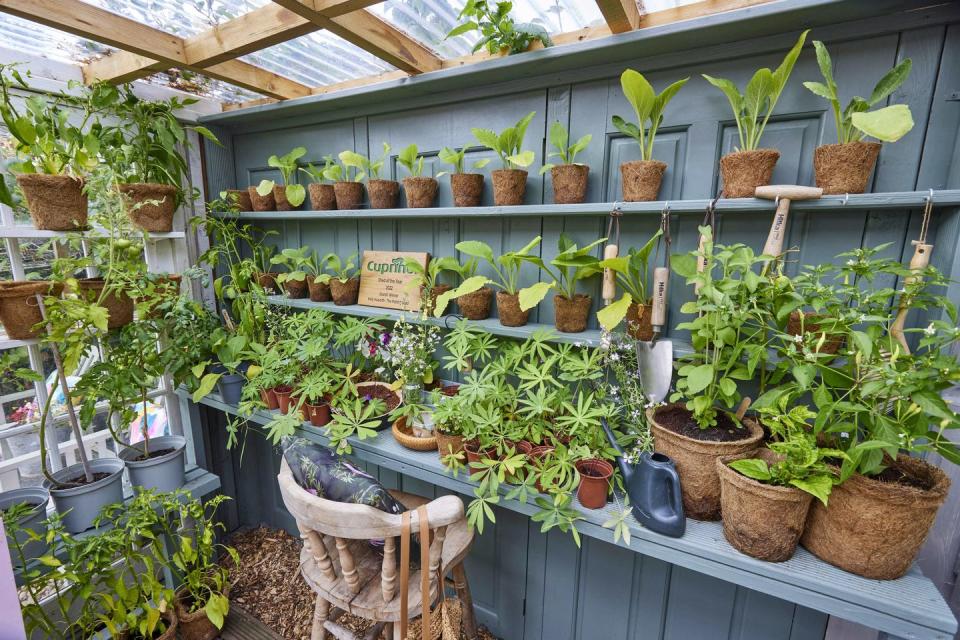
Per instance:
{"type": "Point", "coordinates": [284, 395]}
{"type": "Point", "coordinates": [638, 321]}
{"type": "Point", "coordinates": [241, 197]}
{"type": "Point", "coordinates": [761, 520]}
{"type": "Point", "coordinates": [383, 194]}
{"type": "Point", "coordinates": [19, 310]}
{"type": "Point", "coordinates": [467, 189]}
{"type": "Point", "coordinates": [269, 397]}
{"type": "Point", "coordinates": [475, 454]}
{"type": "Point", "coordinates": [268, 280]}
{"type": "Point", "coordinates": [695, 461]}
{"type": "Point", "coordinates": [744, 171]}
{"type": "Point", "coordinates": [317, 414]}
{"type": "Point", "coordinates": [446, 444]}
{"type": "Point", "coordinates": [150, 206]}
{"type": "Point", "coordinates": [534, 456]}
{"type": "Point", "coordinates": [594, 482]}
{"type": "Point", "coordinates": [261, 203]}
{"type": "Point", "coordinates": [641, 179]}
{"type": "Point", "coordinates": [295, 289]}
{"type": "Point", "coordinates": [196, 625]}
{"type": "Point", "coordinates": [344, 293]}
{"type": "Point", "coordinates": [571, 315]}
{"type": "Point", "coordinates": [322, 197]}
{"type": "Point", "coordinates": [56, 203]}
{"type": "Point", "coordinates": [569, 183]}
{"type": "Point", "coordinates": [349, 195]}
{"type": "Point", "coordinates": [509, 187]}
{"type": "Point", "coordinates": [118, 304]}
{"type": "Point", "coordinates": [421, 191]}
{"type": "Point", "coordinates": [476, 305]}
{"type": "Point", "coordinates": [435, 292]}
{"type": "Point", "coordinates": [875, 527]}
{"type": "Point", "coordinates": [508, 308]}
{"type": "Point", "coordinates": [319, 291]}
{"type": "Point", "coordinates": [810, 325]}
{"type": "Point", "coordinates": [845, 168]}
{"type": "Point", "coordinates": [280, 198]}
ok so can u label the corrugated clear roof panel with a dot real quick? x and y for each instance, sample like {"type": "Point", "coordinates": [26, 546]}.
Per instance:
{"type": "Point", "coordinates": [182, 17]}
{"type": "Point", "coordinates": [430, 20]}
{"type": "Point", "coordinates": [318, 59]}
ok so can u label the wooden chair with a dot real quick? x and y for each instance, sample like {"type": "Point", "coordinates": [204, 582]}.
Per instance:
{"type": "Point", "coordinates": [348, 573]}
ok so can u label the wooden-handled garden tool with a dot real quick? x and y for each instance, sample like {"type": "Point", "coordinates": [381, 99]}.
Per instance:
{"type": "Point", "coordinates": [612, 250]}
{"type": "Point", "coordinates": [655, 358]}
{"type": "Point", "coordinates": [709, 220]}
{"type": "Point", "coordinates": [919, 262]}
{"type": "Point", "coordinates": [783, 195]}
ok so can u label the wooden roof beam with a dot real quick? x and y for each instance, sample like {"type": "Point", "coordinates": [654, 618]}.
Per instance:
{"type": "Point", "coordinates": [621, 15]}
{"type": "Point", "coordinates": [371, 34]}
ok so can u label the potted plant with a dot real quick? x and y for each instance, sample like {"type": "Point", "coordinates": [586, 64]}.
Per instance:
{"type": "Point", "coordinates": [765, 495]}
{"type": "Point", "coordinates": [500, 35]}
{"type": "Point", "coordinates": [749, 167]}
{"type": "Point", "coordinates": [358, 417]}
{"type": "Point", "coordinates": [420, 190]}
{"type": "Point", "coordinates": [413, 425]}
{"type": "Point", "coordinates": [19, 312]}
{"type": "Point", "coordinates": [315, 393]}
{"type": "Point", "coordinates": [317, 285]}
{"type": "Point", "coordinates": [24, 513]}
{"type": "Point", "coordinates": [729, 339]}
{"type": "Point", "coordinates": [143, 147]}
{"type": "Point", "coordinates": [475, 303]}
{"type": "Point", "coordinates": [448, 422]}
{"type": "Point", "coordinates": [294, 279]}
{"type": "Point", "coordinates": [510, 181]}
{"type": "Point", "coordinates": [290, 194]}
{"type": "Point", "coordinates": [507, 269]}
{"type": "Point", "coordinates": [237, 200]}
{"type": "Point", "coordinates": [572, 264]}
{"type": "Point", "coordinates": [468, 346]}
{"type": "Point", "coordinates": [227, 374]}
{"type": "Point", "coordinates": [52, 154]}
{"type": "Point", "coordinates": [428, 280]}
{"type": "Point", "coordinates": [347, 177]}
{"type": "Point", "coordinates": [632, 272]}
{"type": "Point", "coordinates": [845, 167]}
{"type": "Point", "coordinates": [467, 188]}
{"type": "Point", "coordinates": [264, 275]}
{"type": "Point", "coordinates": [383, 194]}
{"type": "Point", "coordinates": [570, 178]}
{"type": "Point", "coordinates": [345, 279]}
{"type": "Point", "coordinates": [322, 196]}
{"type": "Point", "coordinates": [640, 179]}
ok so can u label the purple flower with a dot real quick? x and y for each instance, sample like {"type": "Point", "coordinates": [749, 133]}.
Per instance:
{"type": "Point", "coordinates": [385, 338]}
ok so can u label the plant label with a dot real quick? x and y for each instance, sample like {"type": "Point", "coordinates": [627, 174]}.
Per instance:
{"type": "Point", "coordinates": [386, 282]}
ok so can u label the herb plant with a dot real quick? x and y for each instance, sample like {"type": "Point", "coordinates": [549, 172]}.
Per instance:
{"type": "Point", "coordinates": [499, 33]}
{"type": "Point", "coordinates": [648, 107]}
{"type": "Point", "coordinates": [888, 124]}
{"type": "Point", "coordinates": [287, 165]}
{"type": "Point", "coordinates": [759, 98]}
{"type": "Point", "coordinates": [508, 143]}
{"type": "Point", "coordinates": [560, 139]}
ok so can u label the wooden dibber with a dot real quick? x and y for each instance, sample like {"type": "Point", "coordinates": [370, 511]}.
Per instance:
{"type": "Point", "coordinates": [919, 261]}
{"type": "Point", "coordinates": [784, 194]}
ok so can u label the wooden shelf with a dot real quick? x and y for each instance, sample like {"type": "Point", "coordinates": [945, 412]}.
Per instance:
{"type": "Point", "coordinates": [910, 607]}
{"type": "Point", "coordinates": [25, 231]}
{"type": "Point", "coordinates": [864, 201]}
{"type": "Point", "coordinates": [590, 337]}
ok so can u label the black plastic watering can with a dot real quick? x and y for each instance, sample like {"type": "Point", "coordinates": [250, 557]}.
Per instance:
{"type": "Point", "coordinates": [654, 489]}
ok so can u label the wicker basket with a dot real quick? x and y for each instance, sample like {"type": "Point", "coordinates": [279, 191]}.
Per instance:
{"type": "Point", "coordinates": [406, 438]}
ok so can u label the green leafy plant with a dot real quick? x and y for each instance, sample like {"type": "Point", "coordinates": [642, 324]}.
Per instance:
{"type": "Point", "coordinates": [856, 121]}
{"type": "Point", "coordinates": [760, 97]}
{"type": "Point", "coordinates": [342, 270]}
{"type": "Point", "coordinates": [352, 167]}
{"type": "Point", "coordinates": [230, 351]}
{"type": "Point", "coordinates": [354, 417]}
{"type": "Point", "coordinates": [499, 33]}
{"type": "Point", "coordinates": [633, 274]}
{"type": "Point", "coordinates": [374, 167]}
{"type": "Point", "coordinates": [297, 262]}
{"type": "Point", "coordinates": [648, 107]}
{"type": "Point", "coordinates": [287, 165]}
{"type": "Point", "coordinates": [557, 513]}
{"type": "Point", "coordinates": [467, 345]}
{"type": "Point", "coordinates": [508, 143]}
{"type": "Point", "coordinates": [319, 174]}
{"type": "Point", "coordinates": [798, 461]}
{"type": "Point", "coordinates": [457, 160]}
{"type": "Point", "coordinates": [572, 264]}
{"type": "Point", "coordinates": [411, 159]}
{"type": "Point", "coordinates": [506, 267]}
{"type": "Point", "coordinates": [567, 153]}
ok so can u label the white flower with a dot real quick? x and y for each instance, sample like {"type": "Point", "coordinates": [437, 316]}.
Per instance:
{"type": "Point", "coordinates": [851, 262]}
{"type": "Point", "coordinates": [930, 330]}
{"type": "Point", "coordinates": [615, 357]}
{"type": "Point", "coordinates": [844, 434]}
{"type": "Point", "coordinates": [798, 339]}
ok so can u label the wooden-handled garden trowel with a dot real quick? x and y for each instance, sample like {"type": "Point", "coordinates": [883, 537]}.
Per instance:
{"type": "Point", "coordinates": [919, 262]}
{"type": "Point", "coordinates": [655, 358]}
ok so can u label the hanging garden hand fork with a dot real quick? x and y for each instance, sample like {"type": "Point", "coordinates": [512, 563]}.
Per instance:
{"type": "Point", "coordinates": [919, 262]}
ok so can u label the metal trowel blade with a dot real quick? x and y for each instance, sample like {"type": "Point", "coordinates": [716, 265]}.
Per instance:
{"type": "Point", "coordinates": [655, 364]}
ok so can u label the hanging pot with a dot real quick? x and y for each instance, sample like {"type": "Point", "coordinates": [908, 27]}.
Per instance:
{"type": "Point", "coordinates": [150, 206]}
{"type": "Point", "coordinates": [508, 308]}
{"type": "Point", "coordinates": [641, 179]}
{"type": "Point", "coordinates": [595, 477]}
{"type": "Point", "coordinates": [163, 470]}
{"type": "Point", "coordinates": [421, 191]}
{"type": "Point", "coordinates": [467, 189]}
{"type": "Point", "coordinates": [19, 309]}
{"type": "Point", "coordinates": [383, 194]}
{"type": "Point", "coordinates": [744, 171]}
{"type": "Point", "coordinates": [261, 203]}
{"type": "Point", "coordinates": [874, 527]}
{"type": "Point", "coordinates": [761, 520]}
{"type": "Point", "coordinates": [56, 203]}
{"type": "Point", "coordinates": [322, 197]}
{"type": "Point", "coordinates": [571, 315]}
{"type": "Point", "coordinates": [33, 520]}
{"type": "Point", "coordinates": [509, 187]}
{"type": "Point", "coordinates": [349, 195]}
{"type": "Point", "coordinates": [569, 183]}
{"type": "Point", "coordinates": [845, 168]}
{"type": "Point", "coordinates": [695, 457]}
{"type": "Point", "coordinates": [344, 293]}
{"type": "Point", "coordinates": [80, 504]}
{"type": "Point", "coordinates": [118, 304]}
{"type": "Point", "coordinates": [476, 305]}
